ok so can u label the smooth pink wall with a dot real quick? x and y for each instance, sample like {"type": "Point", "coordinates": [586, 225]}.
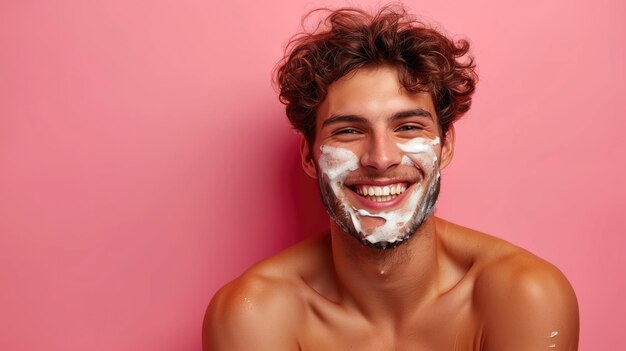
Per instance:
{"type": "Point", "coordinates": [145, 160]}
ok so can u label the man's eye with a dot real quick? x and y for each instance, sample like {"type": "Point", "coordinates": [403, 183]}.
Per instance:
{"type": "Point", "coordinates": [347, 131]}
{"type": "Point", "coordinates": [409, 127]}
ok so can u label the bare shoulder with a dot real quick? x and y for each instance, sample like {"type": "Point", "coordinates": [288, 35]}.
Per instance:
{"type": "Point", "coordinates": [262, 308]}
{"type": "Point", "coordinates": [252, 312]}
{"type": "Point", "coordinates": [522, 301]}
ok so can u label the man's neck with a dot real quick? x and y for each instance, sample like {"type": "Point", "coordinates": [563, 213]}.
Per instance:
{"type": "Point", "coordinates": [387, 283]}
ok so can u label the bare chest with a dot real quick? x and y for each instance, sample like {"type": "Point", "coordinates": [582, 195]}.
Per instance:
{"type": "Point", "coordinates": [440, 327]}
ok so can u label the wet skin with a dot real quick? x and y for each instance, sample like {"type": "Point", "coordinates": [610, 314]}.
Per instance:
{"type": "Point", "coordinates": [445, 288]}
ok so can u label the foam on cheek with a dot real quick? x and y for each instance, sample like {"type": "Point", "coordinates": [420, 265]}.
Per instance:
{"type": "Point", "coordinates": [336, 163]}
{"type": "Point", "coordinates": [420, 152]}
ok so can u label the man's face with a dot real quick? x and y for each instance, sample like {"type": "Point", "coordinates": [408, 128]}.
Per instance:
{"type": "Point", "coordinates": [377, 156]}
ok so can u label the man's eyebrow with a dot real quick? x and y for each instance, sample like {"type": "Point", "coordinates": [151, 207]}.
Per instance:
{"type": "Point", "coordinates": [344, 118]}
{"type": "Point", "coordinates": [416, 112]}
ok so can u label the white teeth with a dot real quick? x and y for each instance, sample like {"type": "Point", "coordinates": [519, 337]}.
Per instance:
{"type": "Point", "coordinates": [380, 193]}
{"type": "Point", "coordinates": [399, 189]}
{"type": "Point", "coordinates": [380, 198]}
{"type": "Point", "coordinates": [396, 189]}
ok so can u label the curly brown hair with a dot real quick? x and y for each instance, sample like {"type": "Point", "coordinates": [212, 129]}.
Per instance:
{"type": "Point", "coordinates": [349, 39]}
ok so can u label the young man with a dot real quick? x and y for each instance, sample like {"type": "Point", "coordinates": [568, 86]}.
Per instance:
{"type": "Point", "coordinates": [375, 98]}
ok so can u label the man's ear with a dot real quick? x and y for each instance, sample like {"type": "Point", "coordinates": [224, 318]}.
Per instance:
{"type": "Point", "coordinates": [308, 161]}
{"type": "Point", "coordinates": [447, 148]}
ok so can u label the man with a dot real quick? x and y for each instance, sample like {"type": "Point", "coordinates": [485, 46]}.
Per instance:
{"type": "Point", "coordinates": [375, 98]}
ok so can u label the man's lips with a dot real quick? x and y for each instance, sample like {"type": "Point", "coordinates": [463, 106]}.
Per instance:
{"type": "Point", "coordinates": [382, 196]}
{"type": "Point", "coordinates": [380, 193]}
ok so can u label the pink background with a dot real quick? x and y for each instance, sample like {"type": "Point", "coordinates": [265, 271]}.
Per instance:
{"type": "Point", "coordinates": [145, 160]}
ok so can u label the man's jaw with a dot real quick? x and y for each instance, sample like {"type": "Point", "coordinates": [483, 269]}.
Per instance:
{"type": "Point", "coordinates": [362, 217]}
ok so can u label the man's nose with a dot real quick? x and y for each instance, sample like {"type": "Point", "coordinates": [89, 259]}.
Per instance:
{"type": "Point", "coordinates": [381, 153]}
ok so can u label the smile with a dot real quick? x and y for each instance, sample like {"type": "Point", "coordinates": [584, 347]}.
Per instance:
{"type": "Point", "coordinates": [380, 193]}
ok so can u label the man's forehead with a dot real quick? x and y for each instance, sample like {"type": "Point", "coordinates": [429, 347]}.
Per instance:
{"type": "Point", "coordinates": [372, 92]}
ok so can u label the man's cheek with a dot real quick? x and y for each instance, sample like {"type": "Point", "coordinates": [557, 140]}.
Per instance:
{"type": "Point", "coordinates": [337, 162]}
{"type": "Point", "coordinates": [424, 162]}
{"type": "Point", "coordinates": [421, 153]}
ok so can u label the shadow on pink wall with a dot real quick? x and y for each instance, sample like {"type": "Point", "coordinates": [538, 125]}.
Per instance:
{"type": "Point", "coordinates": [310, 217]}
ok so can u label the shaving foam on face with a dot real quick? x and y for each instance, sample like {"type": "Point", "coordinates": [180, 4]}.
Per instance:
{"type": "Point", "coordinates": [420, 149]}
{"type": "Point", "coordinates": [336, 163]}
{"type": "Point", "coordinates": [394, 220]}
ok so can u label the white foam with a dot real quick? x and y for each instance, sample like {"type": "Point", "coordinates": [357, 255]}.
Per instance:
{"type": "Point", "coordinates": [336, 163]}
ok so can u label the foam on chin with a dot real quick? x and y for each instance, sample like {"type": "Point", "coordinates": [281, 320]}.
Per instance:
{"type": "Point", "coordinates": [394, 220]}
{"type": "Point", "coordinates": [336, 163]}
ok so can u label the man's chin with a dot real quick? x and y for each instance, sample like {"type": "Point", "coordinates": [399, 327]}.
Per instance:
{"type": "Point", "coordinates": [369, 224]}
{"type": "Point", "coordinates": [342, 212]}
{"type": "Point", "coordinates": [371, 238]}
{"type": "Point", "coordinates": [383, 245]}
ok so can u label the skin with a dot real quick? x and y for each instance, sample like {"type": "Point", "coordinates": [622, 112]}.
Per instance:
{"type": "Point", "coordinates": [445, 288]}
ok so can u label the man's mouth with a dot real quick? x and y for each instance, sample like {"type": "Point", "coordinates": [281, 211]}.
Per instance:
{"type": "Point", "coordinates": [378, 193]}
